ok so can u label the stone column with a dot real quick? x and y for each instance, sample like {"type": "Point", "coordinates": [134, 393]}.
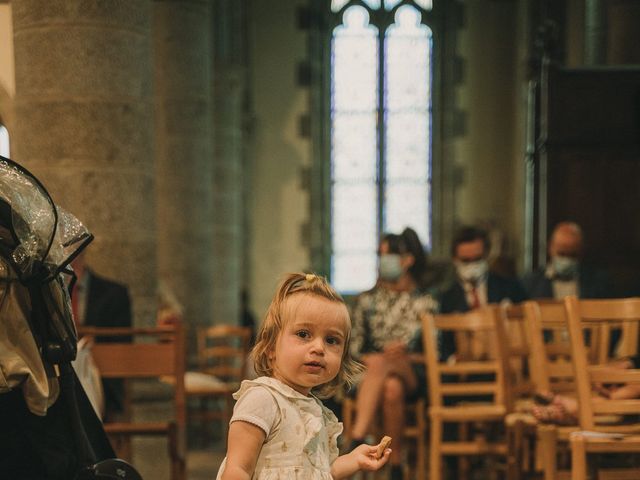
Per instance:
{"type": "Point", "coordinates": [84, 126]}
{"type": "Point", "coordinates": [183, 52]}
{"type": "Point", "coordinates": [595, 32]}
{"type": "Point", "coordinates": [229, 89]}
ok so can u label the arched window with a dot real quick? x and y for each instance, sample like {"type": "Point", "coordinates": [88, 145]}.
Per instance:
{"type": "Point", "coordinates": [4, 141]}
{"type": "Point", "coordinates": [381, 131]}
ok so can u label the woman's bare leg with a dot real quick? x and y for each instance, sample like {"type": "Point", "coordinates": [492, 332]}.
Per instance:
{"type": "Point", "coordinates": [369, 392]}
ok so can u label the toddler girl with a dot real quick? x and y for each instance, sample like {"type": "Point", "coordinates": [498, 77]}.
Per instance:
{"type": "Point", "coordinates": [279, 428]}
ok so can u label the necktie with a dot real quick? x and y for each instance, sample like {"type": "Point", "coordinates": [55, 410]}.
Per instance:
{"type": "Point", "coordinates": [475, 298]}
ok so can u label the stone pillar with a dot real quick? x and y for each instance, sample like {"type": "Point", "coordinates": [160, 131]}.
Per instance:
{"type": "Point", "coordinates": [595, 32]}
{"type": "Point", "coordinates": [229, 89]}
{"type": "Point", "coordinates": [183, 52]}
{"type": "Point", "coordinates": [84, 126]}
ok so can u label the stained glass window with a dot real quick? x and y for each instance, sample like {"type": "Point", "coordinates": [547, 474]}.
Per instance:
{"type": "Point", "coordinates": [407, 114]}
{"type": "Point", "coordinates": [4, 141]}
{"type": "Point", "coordinates": [380, 135]}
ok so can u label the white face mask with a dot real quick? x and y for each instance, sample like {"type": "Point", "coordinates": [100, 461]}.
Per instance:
{"type": "Point", "coordinates": [472, 271]}
{"type": "Point", "coordinates": [565, 267]}
{"type": "Point", "coordinates": [390, 267]}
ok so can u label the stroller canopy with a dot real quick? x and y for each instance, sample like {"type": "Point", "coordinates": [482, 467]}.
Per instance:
{"type": "Point", "coordinates": [41, 238]}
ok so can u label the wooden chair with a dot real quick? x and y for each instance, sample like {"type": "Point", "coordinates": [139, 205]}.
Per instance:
{"type": "Point", "coordinates": [551, 371]}
{"type": "Point", "coordinates": [453, 391]}
{"type": "Point", "coordinates": [222, 364]}
{"type": "Point", "coordinates": [520, 381]}
{"type": "Point", "coordinates": [415, 430]}
{"type": "Point", "coordinates": [624, 435]}
{"type": "Point", "coordinates": [520, 391]}
{"type": "Point", "coordinates": [554, 371]}
{"type": "Point", "coordinates": [161, 354]}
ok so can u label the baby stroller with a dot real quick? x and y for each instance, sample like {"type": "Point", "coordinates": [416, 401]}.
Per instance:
{"type": "Point", "coordinates": [49, 429]}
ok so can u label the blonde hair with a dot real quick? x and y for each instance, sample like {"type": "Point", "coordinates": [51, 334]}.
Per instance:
{"type": "Point", "coordinates": [274, 323]}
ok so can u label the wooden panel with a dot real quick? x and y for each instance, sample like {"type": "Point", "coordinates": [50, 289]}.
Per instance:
{"type": "Point", "coordinates": [117, 360]}
{"type": "Point", "coordinates": [594, 106]}
{"type": "Point", "coordinates": [593, 166]}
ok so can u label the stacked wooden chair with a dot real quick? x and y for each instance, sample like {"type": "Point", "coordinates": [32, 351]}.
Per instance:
{"type": "Point", "coordinates": [465, 391]}
{"type": "Point", "coordinates": [597, 433]}
{"type": "Point", "coordinates": [568, 341]}
{"type": "Point", "coordinates": [521, 387]}
{"type": "Point", "coordinates": [535, 446]}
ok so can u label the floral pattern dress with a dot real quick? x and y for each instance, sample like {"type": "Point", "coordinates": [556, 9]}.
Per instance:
{"type": "Point", "coordinates": [301, 434]}
{"type": "Point", "coordinates": [381, 315]}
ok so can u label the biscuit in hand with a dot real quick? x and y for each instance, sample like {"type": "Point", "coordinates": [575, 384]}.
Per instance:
{"type": "Point", "coordinates": [383, 445]}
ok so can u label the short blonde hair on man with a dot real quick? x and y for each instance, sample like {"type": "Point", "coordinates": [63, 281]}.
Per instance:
{"type": "Point", "coordinates": [274, 323]}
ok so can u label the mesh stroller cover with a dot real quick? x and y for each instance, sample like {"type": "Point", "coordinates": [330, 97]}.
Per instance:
{"type": "Point", "coordinates": [37, 240]}
{"type": "Point", "coordinates": [45, 438]}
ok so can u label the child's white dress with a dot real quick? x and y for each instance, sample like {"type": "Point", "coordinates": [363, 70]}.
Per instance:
{"type": "Point", "coordinates": [301, 433]}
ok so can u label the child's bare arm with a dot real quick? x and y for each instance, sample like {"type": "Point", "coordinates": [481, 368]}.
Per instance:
{"type": "Point", "coordinates": [245, 443]}
{"type": "Point", "coordinates": [363, 457]}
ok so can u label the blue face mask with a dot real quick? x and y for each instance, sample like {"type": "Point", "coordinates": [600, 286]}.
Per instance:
{"type": "Point", "coordinates": [565, 267]}
{"type": "Point", "coordinates": [390, 267]}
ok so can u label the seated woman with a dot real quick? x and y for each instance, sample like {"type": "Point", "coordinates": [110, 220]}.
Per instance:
{"type": "Point", "coordinates": [563, 410]}
{"type": "Point", "coordinates": [384, 320]}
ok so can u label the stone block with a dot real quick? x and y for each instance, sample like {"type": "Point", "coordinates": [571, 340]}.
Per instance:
{"type": "Point", "coordinates": [87, 134]}
{"type": "Point", "coordinates": [133, 14]}
{"type": "Point", "coordinates": [68, 62]}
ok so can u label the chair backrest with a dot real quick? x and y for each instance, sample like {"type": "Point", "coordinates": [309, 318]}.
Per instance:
{"type": "Point", "coordinates": [142, 353]}
{"type": "Point", "coordinates": [519, 378]}
{"type": "Point", "coordinates": [223, 351]}
{"type": "Point", "coordinates": [550, 359]}
{"type": "Point", "coordinates": [602, 317]}
{"type": "Point", "coordinates": [466, 378]}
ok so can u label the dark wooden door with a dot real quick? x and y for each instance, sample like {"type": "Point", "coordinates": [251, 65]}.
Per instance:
{"type": "Point", "coordinates": [588, 165]}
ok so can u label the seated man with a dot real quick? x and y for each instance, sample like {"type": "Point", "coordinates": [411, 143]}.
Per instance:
{"type": "Point", "coordinates": [566, 274]}
{"type": "Point", "coordinates": [476, 286]}
{"type": "Point", "coordinates": [100, 302]}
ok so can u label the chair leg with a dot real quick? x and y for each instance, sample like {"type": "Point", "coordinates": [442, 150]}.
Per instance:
{"type": "Point", "coordinates": [578, 457]}
{"type": "Point", "coordinates": [515, 435]}
{"type": "Point", "coordinates": [420, 454]}
{"type": "Point", "coordinates": [549, 441]}
{"type": "Point", "coordinates": [203, 431]}
{"type": "Point", "coordinates": [435, 454]}
{"type": "Point", "coordinates": [464, 464]}
{"type": "Point", "coordinates": [177, 453]}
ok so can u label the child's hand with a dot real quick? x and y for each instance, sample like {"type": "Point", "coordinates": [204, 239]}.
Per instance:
{"type": "Point", "coordinates": [363, 457]}
{"type": "Point", "coordinates": [366, 457]}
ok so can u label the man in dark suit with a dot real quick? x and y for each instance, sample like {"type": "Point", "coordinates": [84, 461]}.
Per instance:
{"type": "Point", "coordinates": [100, 302]}
{"type": "Point", "coordinates": [566, 274]}
{"type": "Point", "coordinates": [476, 286]}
